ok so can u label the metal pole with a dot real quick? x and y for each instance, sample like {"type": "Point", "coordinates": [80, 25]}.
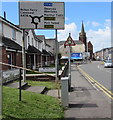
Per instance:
{"type": "Point", "coordinates": [20, 95]}
{"type": "Point", "coordinates": [56, 61]}
{"type": "Point", "coordinates": [34, 62]}
{"type": "Point", "coordinates": [69, 68]}
{"type": "Point", "coordinates": [24, 56]}
{"type": "Point", "coordinates": [1, 94]}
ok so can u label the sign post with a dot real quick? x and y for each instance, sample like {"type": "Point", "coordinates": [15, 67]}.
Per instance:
{"type": "Point", "coordinates": [69, 68]}
{"type": "Point", "coordinates": [56, 58]}
{"type": "Point", "coordinates": [24, 56]}
{"type": "Point", "coordinates": [42, 15]}
{"type": "Point", "coordinates": [1, 94]}
{"type": "Point", "coordinates": [69, 43]}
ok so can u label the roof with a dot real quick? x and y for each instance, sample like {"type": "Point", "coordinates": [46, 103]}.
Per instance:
{"type": "Point", "coordinates": [44, 52]}
{"type": "Point", "coordinates": [36, 37]}
{"type": "Point", "coordinates": [11, 44]}
{"type": "Point", "coordinates": [8, 22]}
{"type": "Point", "coordinates": [50, 39]}
{"type": "Point", "coordinates": [48, 45]}
{"type": "Point", "coordinates": [41, 37]}
{"type": "Point", "coordinates": [51, 53]}
{"type": "Point", "coordinates": [82, 29]}
{"type": "Point", "coordinates": [76, 42]}
{"type": "Point", "coordinates": [32, 49]}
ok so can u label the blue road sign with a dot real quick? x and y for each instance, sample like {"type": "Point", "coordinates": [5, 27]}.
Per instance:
{"type": "Point", "coordinates": [47, 4]}
{"type": "Point", "coordinates": [76, 55]}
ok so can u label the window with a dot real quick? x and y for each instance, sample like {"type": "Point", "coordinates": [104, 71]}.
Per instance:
{"type": "Point", "coordinates": [13, 34]}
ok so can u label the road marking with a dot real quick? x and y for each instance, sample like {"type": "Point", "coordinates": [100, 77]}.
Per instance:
{"type": "Point", "coordinates": [102, 68]}
{"type": "Point", "coordinates": [101, 87]}
{"type": "Point", "coordinates": [108, 71]}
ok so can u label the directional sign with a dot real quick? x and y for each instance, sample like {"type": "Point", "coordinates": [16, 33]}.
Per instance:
{"type": "Point", "coordinates": [41, 15]}
{"type": "Point", "coordinates": [69, 41]}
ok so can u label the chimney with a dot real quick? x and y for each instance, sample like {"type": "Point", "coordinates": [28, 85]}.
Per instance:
{"type": "Point", "coordinates": [4, 15]}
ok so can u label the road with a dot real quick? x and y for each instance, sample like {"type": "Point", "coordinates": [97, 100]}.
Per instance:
{"type": "Point", "coordinates": [97, 71]}
{"type": "Point", "coordinates": [85, 102]}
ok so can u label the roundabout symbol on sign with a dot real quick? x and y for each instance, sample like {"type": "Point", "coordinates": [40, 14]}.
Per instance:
{"type": "Point", "coordinates": [33, 20]}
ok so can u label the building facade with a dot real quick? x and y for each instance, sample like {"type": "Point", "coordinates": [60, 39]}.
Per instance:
{"type": "Point", "coordinates": [11, 38]}
{"type": "Point", "coordinates": [104, 54]}
{"type": "Point", "coordinates": [37, 52]}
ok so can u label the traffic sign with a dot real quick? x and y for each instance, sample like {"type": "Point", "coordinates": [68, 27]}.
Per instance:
{"type": "Point", "coordinates": [41, 15]}
{"type": "Point", "coordinates": [69, 41]}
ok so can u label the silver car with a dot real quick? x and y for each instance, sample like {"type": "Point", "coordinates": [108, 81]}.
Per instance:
{"type": "Point", "coordinates": [108, 63]}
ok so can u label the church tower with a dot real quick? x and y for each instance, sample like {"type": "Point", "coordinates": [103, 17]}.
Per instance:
{"type": "Point", "coordinates": [82, 36]}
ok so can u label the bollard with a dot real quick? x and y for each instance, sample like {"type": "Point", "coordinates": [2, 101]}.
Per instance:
{"type": "Point", "coordinates": [64, 91]}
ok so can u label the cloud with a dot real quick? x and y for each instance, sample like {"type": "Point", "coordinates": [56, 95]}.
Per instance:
{"type": "Point", "coordinates": [93, 23]}
{"type": "Point", "coordinates": [100, 38]}
{"type": "Point", "coordinates": [107, 23]}
{"type": "Point", "coordinates": [69, 28]}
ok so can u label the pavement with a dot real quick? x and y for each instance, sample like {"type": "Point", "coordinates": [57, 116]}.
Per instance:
{"type": "Point", "coordinates": [54, 93]}
{"type": "Point", "coordinates": [16, 84]}
{"type": "Point", "coordinates": [25, 86]}
{"type": "Point", "coordinates": [36, 89]}
{"type": "Point", "coordinates": [85, 102]}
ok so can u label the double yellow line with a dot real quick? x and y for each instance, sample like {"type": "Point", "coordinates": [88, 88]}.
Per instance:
{"type": "Point", "coordinates": [97, 84]}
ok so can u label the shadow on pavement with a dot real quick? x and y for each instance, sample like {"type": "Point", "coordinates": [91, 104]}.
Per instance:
{"type": "Point", "coordinates": [82, 105]}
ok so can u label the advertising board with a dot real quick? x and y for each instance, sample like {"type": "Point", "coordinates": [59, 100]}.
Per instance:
{"type": "Point", "coordinates": [76, 56]}
{"type": "Point", "coordinates": [41, 15]}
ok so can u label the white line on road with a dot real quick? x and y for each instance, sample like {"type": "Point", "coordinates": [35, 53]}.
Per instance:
{"type": "Point", "coordinates": [102, 68]}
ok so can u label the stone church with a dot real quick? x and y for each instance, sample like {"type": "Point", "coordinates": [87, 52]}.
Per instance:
{"type": "Point", "coordinates": [81, 45]}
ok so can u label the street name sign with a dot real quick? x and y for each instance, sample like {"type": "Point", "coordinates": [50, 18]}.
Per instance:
{"type": "Point", "coordinates": [41, 15]}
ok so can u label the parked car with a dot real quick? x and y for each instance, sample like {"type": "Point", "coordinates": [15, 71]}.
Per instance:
{"type": "Point", "coordinates": [108, 63]}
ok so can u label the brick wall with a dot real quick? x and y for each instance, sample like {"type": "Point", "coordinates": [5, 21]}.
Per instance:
{"type": "Point", "coordinates": [3, 58]}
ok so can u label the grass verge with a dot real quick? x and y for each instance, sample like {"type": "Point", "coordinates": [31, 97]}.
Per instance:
{"type": "Point", "coordinates": [33, 106]}
{"type": "Point", "coordinates": [49, 85]}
